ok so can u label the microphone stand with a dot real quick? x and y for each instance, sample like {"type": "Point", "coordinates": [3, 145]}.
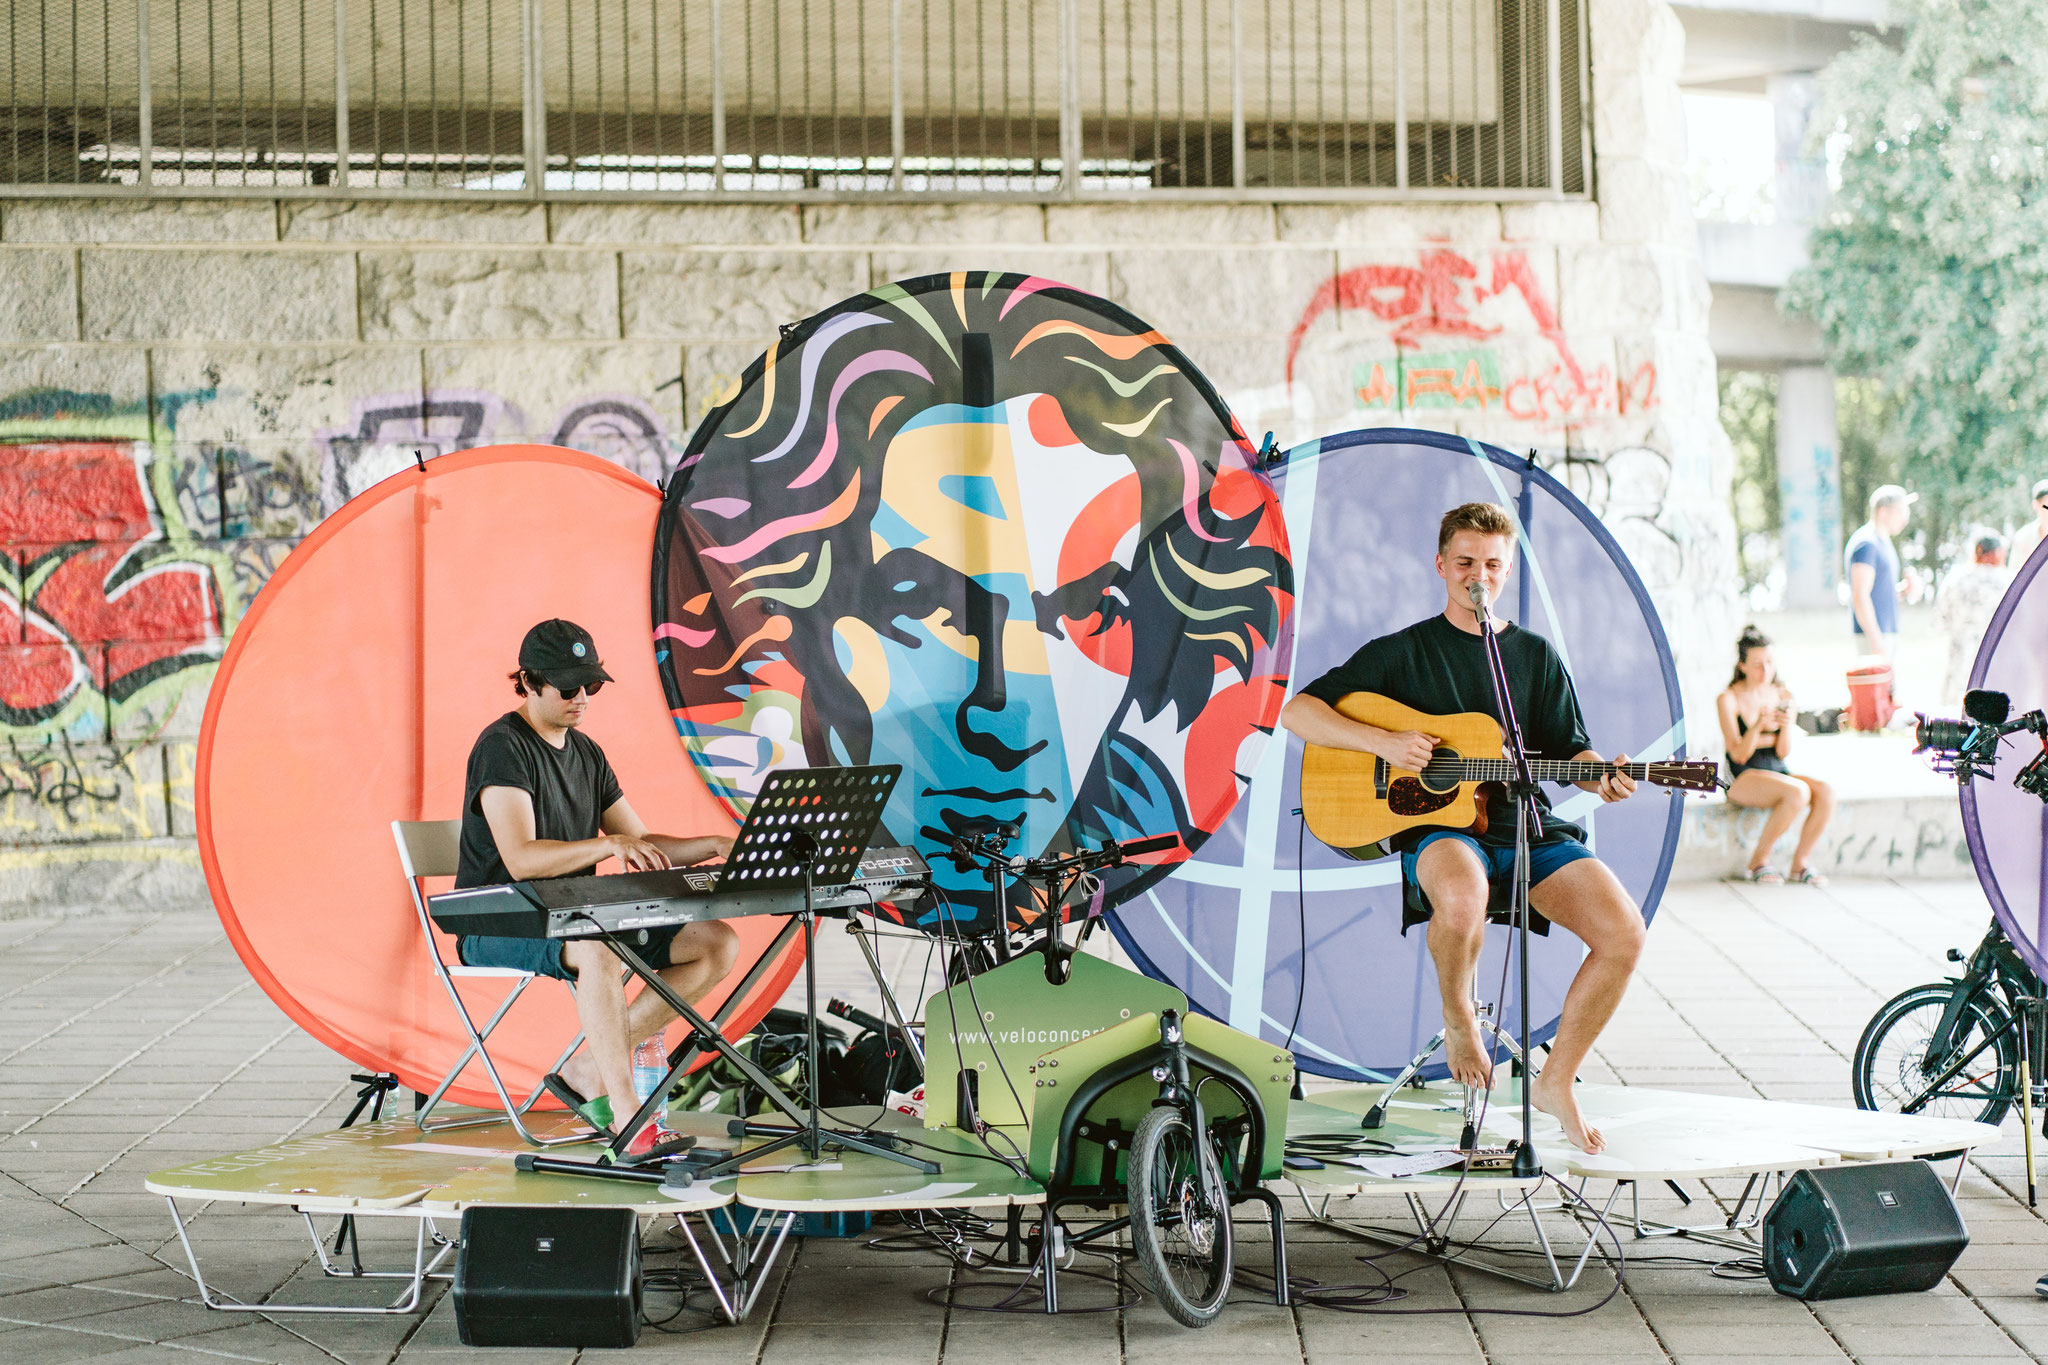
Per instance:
{"type": "Point", "coordinates": [1522, 791]}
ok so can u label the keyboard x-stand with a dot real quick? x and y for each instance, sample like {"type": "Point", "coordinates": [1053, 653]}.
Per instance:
{"type": "Point", "coordinates": [807, 826]}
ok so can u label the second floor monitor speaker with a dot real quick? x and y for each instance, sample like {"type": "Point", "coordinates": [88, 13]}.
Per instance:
{"type": "Point", "coordinates": [1880, 1228]}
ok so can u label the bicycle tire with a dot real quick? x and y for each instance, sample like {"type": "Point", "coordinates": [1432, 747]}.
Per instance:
{"type": "Point", "coordinates": [1180, 1216]}
{"type": "Point", "coordinates": [1879, 1055]}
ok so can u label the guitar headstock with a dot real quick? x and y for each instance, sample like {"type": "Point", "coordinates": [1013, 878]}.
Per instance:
{"type": "Point", "coordinates": [1685, 774]}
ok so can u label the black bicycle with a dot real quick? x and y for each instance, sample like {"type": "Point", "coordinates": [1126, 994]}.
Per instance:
{"type": "Point", "coordinates": [1952, 1048]}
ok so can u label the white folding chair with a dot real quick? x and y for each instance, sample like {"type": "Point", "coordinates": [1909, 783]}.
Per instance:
{"type": "Point", "coordinates": [431, 848]}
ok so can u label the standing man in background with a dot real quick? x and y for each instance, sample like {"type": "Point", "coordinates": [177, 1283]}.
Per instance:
{"type": "Point", "coordinates": [1963, 607]}
{"type": "Point", "coordinates": [2027, 537]}
{"type": "Point", "coordinates": [1873, 565]}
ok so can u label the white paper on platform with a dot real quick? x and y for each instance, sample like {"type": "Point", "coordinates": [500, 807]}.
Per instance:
{"type": "Point", "coordinates": [1394, 1167]}
{"type": "Point", "coordinates": [450, 1149]}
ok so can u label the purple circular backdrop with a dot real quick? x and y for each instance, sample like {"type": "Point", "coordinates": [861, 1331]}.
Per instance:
{"type": "Point", "coordinates": [2006, 827]}
{"type": "Point", "coordinates": [1228, 927]}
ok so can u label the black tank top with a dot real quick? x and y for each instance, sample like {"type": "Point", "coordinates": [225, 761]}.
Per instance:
{"type": "Point", "coordinates": [1763, 760]}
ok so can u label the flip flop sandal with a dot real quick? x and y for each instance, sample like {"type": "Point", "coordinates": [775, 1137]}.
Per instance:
{"type": "Point", "coordinates": [1761, 876]}
{"type": "Point", "coordinates": [1806, 876]}
{"type": "Point", "coordinates": [597, 1113]}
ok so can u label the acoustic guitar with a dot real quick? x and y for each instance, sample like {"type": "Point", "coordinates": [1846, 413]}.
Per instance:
{"type": "Point", "coordinates": [1356, 801]}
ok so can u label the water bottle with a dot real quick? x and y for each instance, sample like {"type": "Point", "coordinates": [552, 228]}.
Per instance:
{"type": "Point", "coordinates": [650, 1067]}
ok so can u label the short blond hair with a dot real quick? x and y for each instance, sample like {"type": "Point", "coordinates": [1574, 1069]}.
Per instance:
{"type": "Point", "coordinates": [1487, 518]}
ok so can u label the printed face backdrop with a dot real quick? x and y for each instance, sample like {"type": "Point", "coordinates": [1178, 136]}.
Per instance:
{"type": "Point", "coordinates": [1231, 925]}
{"type": "Point", "coordinates": [2007, 828]}
{"type": "Point", "coordinates": [1001, 532]}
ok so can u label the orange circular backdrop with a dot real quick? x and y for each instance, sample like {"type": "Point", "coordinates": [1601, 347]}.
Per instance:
{"type": "Point", "coordinates": [349, 698]}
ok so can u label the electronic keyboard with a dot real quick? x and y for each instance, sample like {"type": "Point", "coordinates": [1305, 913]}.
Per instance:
{"type": "Point", "coordinates": [583, 907]}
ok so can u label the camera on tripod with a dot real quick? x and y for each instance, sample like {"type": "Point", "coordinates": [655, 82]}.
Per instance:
{"type": "Point", "coordinates": [1969, 748]}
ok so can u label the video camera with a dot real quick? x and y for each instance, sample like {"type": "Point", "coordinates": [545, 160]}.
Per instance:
{"type": "Point", "coordinates": [1969, 748]}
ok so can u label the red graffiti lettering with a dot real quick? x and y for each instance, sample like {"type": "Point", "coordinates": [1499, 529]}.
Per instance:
{"type": "Point", "coordinates": [1436, 298]}
{"type": "Point", "coordinates": [93, 592]}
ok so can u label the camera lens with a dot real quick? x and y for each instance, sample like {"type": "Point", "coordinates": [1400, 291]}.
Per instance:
{"type": "Point", "coordinates": [1940, 735]}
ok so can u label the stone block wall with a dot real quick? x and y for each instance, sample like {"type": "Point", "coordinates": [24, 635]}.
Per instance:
{"type": "Point", "coordinates": [193, 384]}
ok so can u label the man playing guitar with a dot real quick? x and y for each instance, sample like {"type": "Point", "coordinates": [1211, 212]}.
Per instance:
{"type": "Point", "coordinates": [1438, 665]}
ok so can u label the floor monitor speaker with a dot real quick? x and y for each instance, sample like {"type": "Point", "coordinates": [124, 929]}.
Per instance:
{"type": "Point", "coordinates": [548, 1277]}
{"type": "Point", "coordinates": [1880, 1228]}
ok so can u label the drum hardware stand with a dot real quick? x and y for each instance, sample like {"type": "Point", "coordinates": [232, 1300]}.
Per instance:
{"type": "Point", "coordinates": [1522, 790]}
{"type": "Point", "coordinates": [773, 848]}
{"type": "Point", "coordinates": [1376, 1117]}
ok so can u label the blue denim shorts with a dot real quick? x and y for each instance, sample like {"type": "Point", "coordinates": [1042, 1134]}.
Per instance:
{"type": "Point", "coordinates": [543, 956]}
{"type": "Point", "coordinates": [1545, 857]}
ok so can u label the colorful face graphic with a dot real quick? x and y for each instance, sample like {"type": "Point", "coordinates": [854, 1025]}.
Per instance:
{"type": "Point", "coordinates": [999, 532]}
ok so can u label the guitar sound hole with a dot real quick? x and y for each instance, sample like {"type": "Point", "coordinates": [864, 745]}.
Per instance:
{"type": "Point", "coordinates": [1442, 773]}
{"type": "Point", "coordinates": [1408, 796]}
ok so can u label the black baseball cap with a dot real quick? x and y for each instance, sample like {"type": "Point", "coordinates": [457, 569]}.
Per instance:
{"type": "Point", "coordinates": [563, 653]}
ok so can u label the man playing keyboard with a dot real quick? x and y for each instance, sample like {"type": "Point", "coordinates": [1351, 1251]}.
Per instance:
{"type": "Point", "coordinates": [540, 801]}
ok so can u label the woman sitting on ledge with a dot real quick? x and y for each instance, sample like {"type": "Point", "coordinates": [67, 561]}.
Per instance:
{"type": "Point", "coordinates": [1756, 726]}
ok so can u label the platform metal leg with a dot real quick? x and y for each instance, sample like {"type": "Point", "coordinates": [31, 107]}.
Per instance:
{"type": "Point", "coordinates": [407, 1302]}
{"type": "Point", "coordinates": [754, 1277]}
{"type": "Point", "coordinates": [1732, 1232]}
{"type": "Point", "coordinates": [725, 1306]}
{"type": "Point", "coordinates": [1440, 1226]}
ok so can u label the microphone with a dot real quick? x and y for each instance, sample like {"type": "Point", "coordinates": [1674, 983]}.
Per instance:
{"type": "Point", "coordinates": [1477, 593]}
{"type": "Point", "coordinates": [1986, 707]}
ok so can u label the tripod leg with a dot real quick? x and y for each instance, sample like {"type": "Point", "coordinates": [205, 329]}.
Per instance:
{"type": "Point", "coordinates": [1376, 1117]}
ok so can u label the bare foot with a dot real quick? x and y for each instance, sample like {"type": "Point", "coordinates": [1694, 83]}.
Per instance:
{"type": "Point", "coordinates": [1466, 1052]}
{"type": "Point", "coordinates": [1556, 1100]}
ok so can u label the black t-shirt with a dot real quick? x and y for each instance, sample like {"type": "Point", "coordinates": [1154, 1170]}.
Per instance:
{"type": "Point", "coordinates": [1441, 670]}
{"type": "Point", "coordinates": [572, 787]}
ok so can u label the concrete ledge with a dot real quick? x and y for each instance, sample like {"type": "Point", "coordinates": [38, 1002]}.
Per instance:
{"type": "Point", "coordinates": [1877, 837]}
{"type": "Point", "coordinates": [103, 878]}
{"type": "Point", "coordinates": [1894, 817]}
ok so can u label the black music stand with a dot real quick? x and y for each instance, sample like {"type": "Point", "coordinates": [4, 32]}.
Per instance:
{"type": "Point", "coordinates": [1528, 820]}
{"type": "Point", "coordinates": [807, 825]}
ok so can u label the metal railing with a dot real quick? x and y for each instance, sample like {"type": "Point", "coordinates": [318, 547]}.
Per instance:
{"type": "Point", "coordinates": [1045, 99]}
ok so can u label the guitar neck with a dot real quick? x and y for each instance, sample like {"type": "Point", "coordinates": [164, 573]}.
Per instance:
{"type": "Point", "coordinates": [1548, 770]}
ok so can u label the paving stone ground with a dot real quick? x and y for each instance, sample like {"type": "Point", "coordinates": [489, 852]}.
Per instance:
{"type": "Point", "coordinates": [131, 1043]}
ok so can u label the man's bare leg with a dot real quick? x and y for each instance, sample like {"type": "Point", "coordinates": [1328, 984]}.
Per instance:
{"type": "Point", "coordinates": [1453, 878]}
{"type": "Point", "coordinates": [604, 1065]}
{"type": "Point", "coordinates": [1585, 898]}
{"type": "Point", "coordinates": [700, 956]}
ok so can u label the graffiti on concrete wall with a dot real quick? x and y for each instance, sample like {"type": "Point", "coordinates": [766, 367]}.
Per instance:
{"type": "Point", "coordinates": [1448, 335]}
{"type": "Point", "coordinates": [386, 434]}
{"type": "Point", "coordinates": [116, 598]}
{"type": "Point", "coordinates": [127, 555]}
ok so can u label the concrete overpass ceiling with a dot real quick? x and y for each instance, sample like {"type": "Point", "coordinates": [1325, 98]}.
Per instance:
{"type": "Point", "coordinates": [1736, 47]}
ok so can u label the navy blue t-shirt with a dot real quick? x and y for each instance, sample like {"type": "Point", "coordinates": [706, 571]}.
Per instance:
{"type": "Point", "coordinates": [1872, 547]}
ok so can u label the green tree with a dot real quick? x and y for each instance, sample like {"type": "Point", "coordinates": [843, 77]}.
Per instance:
{"type": "Point", "coordinates": [1749, 414]}
{"type": "Point", "coordinates": [1929, 273]}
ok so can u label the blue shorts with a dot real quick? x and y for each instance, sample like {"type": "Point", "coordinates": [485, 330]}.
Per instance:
{"type": "Point", "coordinates": [543, 956]}
{"type": "Point", "coordinates": [1545, 857]}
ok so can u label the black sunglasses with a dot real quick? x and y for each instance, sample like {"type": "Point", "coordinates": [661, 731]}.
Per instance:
{"type": "Point", "coordinates": [569, 693]}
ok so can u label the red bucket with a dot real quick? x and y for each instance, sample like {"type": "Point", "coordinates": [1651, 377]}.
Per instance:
{"type": "Point", "coordinates": [1870, 697]}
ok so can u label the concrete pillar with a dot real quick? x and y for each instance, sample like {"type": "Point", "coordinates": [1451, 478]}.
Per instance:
{"type": "Point", "coordinates": [1809, 448]}
{"type": "Point", "coordinates": [1800, 183]}
{"type": "Point", "coordinates": [1809, 485]}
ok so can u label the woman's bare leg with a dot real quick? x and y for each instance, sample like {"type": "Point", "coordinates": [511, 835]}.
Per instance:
{"type": "Point", "coordinates": [1784, 797]}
